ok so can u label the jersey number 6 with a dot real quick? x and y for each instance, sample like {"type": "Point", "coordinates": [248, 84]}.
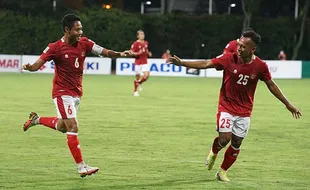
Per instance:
{"type": "Point", "coordinates": [76, 63]}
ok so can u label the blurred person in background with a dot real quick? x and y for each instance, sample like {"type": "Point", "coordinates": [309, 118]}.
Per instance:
{"type": "Point", "coordinates": [166, 54]}
{"type": "Point", "coordinates": [282, 55]}
{"type": "Point", "coordinates": [232, 46]}
{"type": "Point", "coordinates": [69, 54]}
{"type": "Point", "coordinates": [242, 70]}
{"type": "Point", "coordinates": [140, 50]}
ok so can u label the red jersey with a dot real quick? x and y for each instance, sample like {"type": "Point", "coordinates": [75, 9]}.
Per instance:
{"type": "Point", "coordinates": [239, 83]}
{"type": "Point", "coordinates": [142, 50]}
{"type": "Point", "coordinates": [69, 63]}
{"type": "Point", "coordinates": [231, 47]}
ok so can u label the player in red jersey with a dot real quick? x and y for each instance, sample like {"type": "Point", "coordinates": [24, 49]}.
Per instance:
{"type": "Point", "coordinates": [140, 51]}
{"type": "Point", "coordinates": [68, 54]}
{"type": "Point", "coordinates": [242, 70]}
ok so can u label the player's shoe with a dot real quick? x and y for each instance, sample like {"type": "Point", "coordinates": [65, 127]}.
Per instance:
{"type": "Point", "coordinates": [210, 160]}
{"type": "Point", "coordinates": [135, 93]}
{"type": "Point", "coordinates": [140, 87]}
{"type": "Point", "coordinates": [86, 170]}
{"type": "Point", "coordinates": [32, 121]}
{"type": "Point", "coordinates": [221, 175]}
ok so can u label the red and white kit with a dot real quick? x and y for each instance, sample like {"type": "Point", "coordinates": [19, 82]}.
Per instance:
{"type": "Point", "coordinates": [237, 91]}
{"type": "Point", "coordinates": [140, 59]}
{"type": "Point", "coordinates": [69, 64]}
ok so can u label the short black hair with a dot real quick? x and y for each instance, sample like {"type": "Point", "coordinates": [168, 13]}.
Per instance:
{"type": "Point", "coordinates": [68, 20]}
{"type": "Point", "coordinates": [255, 37]}
{"type": "Point", "coordinates": [247, 30]}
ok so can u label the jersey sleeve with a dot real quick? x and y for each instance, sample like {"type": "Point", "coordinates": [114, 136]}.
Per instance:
{"type": "Point", "coordinates": [230, 47]}
{"type": "Point", "coordinates": [89, 45]}
{"type": "Point", "coordinates": [49, 52]}
{"type": "Point", "coordinates": [265, 73]}
{"type": "Point", "coordinates": [220, 61]}
{"type": "Point", "coordinates": [134, 47]}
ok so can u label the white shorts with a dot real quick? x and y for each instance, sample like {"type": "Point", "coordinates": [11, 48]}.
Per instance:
{"type": "Point", "coordinates": [142, 68]}
{"type": "Point", "coordinates": [237, 125]}
{"type": "Point", "coordinates": [66, 106]}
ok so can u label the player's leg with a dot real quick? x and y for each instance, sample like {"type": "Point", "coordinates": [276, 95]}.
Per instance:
{"type": "Point", "coordinates": [146, 73]}
{"type": "Point", "coordinates": [50, 122]}
{"type": "Point", "coordinates": [224, 121]}
{"type": "Point", "coordinates": [239, 132]}
{"type": "Point", "coordinates": [137, 79]}
{"type": "Point", "coordinates": [68, 107]}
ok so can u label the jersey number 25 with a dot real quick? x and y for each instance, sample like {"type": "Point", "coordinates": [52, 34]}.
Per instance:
{"type": "Point", "coordinates": [243, 79]}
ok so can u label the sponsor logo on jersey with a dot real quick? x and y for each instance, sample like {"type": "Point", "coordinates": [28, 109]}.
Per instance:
{"type": "Point", "coordinates": [235, 71]}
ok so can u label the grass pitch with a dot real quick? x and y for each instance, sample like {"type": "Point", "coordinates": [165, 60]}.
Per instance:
{"type": "Point", "coordinates": [156, 141]}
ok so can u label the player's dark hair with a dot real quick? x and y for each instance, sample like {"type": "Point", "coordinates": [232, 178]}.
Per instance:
{"type": "Point", "coordinates": [247, 30]}
{"type": "Point", "coordinates": [68, 20]}
{"type": "Point", "coordinates": [255, 37]}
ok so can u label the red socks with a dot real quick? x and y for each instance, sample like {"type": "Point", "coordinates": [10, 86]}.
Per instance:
{"type": "Point", "coordinates": [74, 146]}
{"type": "Point", "coordinates": [136, 84]}
{"type": "Point", "coordinates": [50, 122]}
{"type": "Point", "coordinates": [143, 80]}
{"type": "Point", "coordinates": [230, 157]}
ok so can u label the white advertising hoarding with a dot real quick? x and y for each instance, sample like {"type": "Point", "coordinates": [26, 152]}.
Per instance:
{"type": "Point", "coordinates": [278, 70]}
{"type": "Point", "coordinates": [285, 69]}
{"type": "Point", "coordinates": [92, 65]}
{"type": "Point", "coordinates": [158, 67]}
{"type": "Point", "coordinates": [10, 63]}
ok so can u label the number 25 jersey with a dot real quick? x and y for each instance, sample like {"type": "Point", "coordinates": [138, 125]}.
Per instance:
{"type": "Point", "coordinates": [239, 82]}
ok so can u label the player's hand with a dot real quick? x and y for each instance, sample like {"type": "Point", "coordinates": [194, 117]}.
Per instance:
{"type": "Point", "coordinates": [149, 54]}
{"type": "Point", "coordinates": [295, 112]}
{"type": "Point", "coordinates": [126, 53]}
{"type": "Point", "coordinates": [27, 66]}
{"type": "Point", "coordinates": [174, 60]}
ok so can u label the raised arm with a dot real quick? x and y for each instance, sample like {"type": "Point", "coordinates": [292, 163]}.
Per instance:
{"type": "Point", "coordinates": [203, 64]}
{"type": "Point", "coordinates": [34, 67]}
{"type": "Point", "coordinates": [276, 91]}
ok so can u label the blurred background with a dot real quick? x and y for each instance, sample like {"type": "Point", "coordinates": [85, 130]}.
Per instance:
{"type": "Point", "coordinates": [189, 28]}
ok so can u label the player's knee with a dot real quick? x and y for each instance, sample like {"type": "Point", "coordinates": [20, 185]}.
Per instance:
{"type": "Point", "coordinates": [236, 143]}
{"type": "Point", "coordinates": [73, 128]}
{"type": "Point", "coordinates": [72, 125]}
{"type": "Point", "coordinates": [224, 140]}
{"type": "Point", "coordinates": [63, 130]}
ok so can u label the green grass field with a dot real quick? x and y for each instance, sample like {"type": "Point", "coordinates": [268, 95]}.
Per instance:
{"type": "Point", "coordinates": [156, 141]}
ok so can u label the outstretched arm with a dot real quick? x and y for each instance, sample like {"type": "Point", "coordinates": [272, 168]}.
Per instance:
{"type": "Point", "coordinates": [112, 53]}
{"type": "Point", "coordinates": [34, 67]}
{"type": "Point", "coordinates": [275, 90]}
{"type": "Point", "coordinates": [203, 64]}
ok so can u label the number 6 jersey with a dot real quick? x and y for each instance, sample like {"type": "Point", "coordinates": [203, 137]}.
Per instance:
{"type": "Point", "coordinates": [69, 65]}
{"type": "Point", "coordinates": [239, 82]}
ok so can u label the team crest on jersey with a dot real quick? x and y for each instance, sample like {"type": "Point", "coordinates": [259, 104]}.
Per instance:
{"type": "Point", "coordinates": [83, 53]}
{"type": "Point", "coordinates": [235, 71]}
{"type": "Point", "coordinates": [66, 56]}
{"type": "Point", "coordinates": [253, 76]}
